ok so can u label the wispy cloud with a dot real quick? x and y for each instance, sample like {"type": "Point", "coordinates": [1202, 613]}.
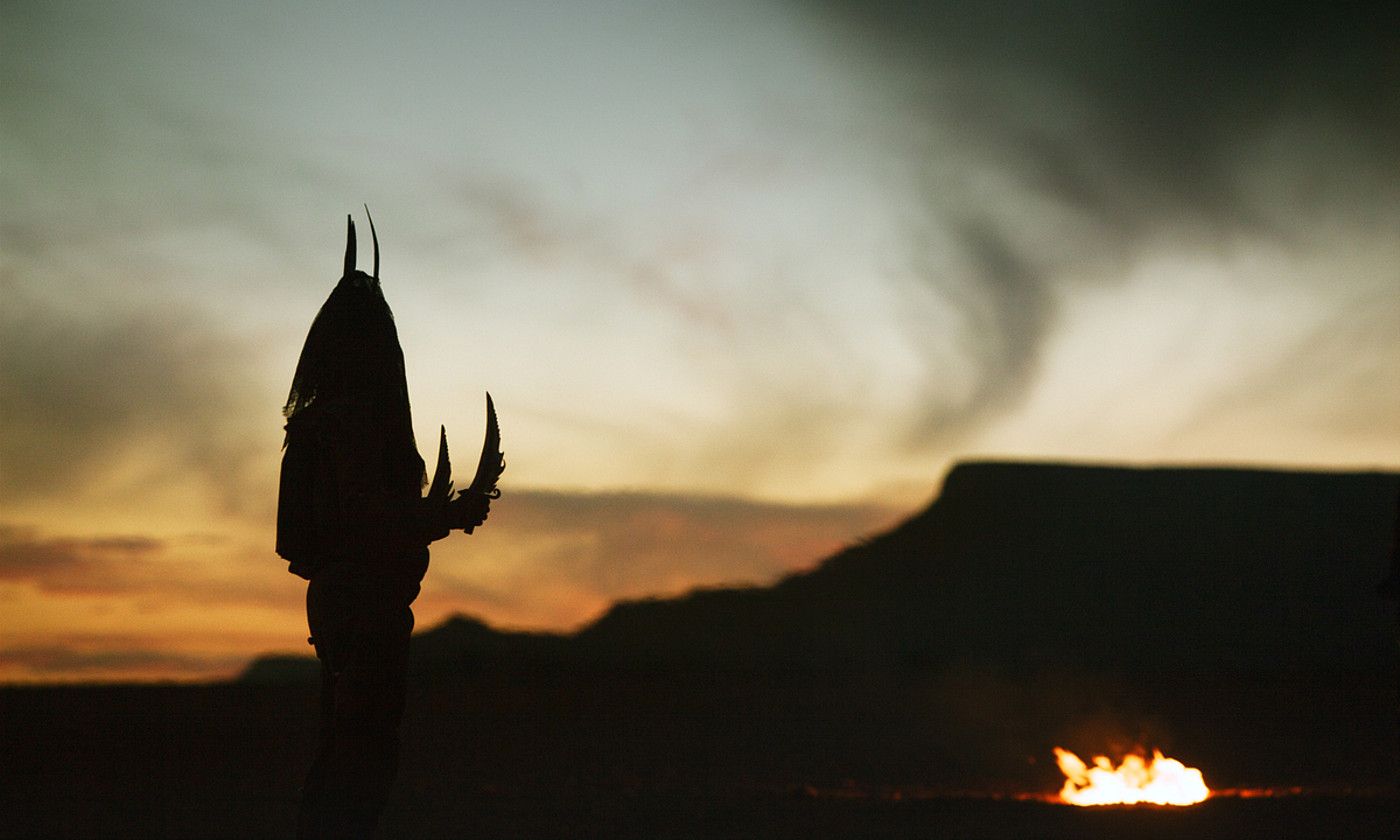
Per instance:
{"type": "Point", "coordinates": [1072, 135]}
{"type": "Point", "coordinates": [60, 662]}
{"type": "Point", "coordinates": [815, 249]}
{"type": "Point", "coordinates": [555, 559]}
{"type": "Point", "coordinates": [161, 572]}
{"type": "Point", "coordinates": [545, 559]}
{"type": "Point", "coordinates": [83, 393]}
{"type": "Point", "coordinates": [69, 563]}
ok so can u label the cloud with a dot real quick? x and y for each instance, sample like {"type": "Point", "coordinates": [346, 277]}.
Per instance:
{"type": "Point", "coordinates": [555, 559]}
{"type": "Point", "coordinates": [1157, 88]}
{"type": "Point", "coordinates": [545, 559]}
{"type": "Point", "coordinates": [1323, 384]}
{"type": "Point", "coordinates": [67, 563]}
{"type": "Point", "coordinates": [1055, 145]}
{"type": "Point", "coordinates": [58, 661]}
{"type": "Point", "coordinates": [153, 572]}
{"type": "Point", "coordinates": [1006, 313]}
{"type": "Point", "coordinates": [83, 394]}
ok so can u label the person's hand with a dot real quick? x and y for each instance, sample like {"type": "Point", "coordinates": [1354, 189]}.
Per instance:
{"type": "Point", "coordinates": [468, 511]}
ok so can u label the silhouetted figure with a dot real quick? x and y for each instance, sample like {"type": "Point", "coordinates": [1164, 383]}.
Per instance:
{"type": "Point", "coordinates": [352, 520]}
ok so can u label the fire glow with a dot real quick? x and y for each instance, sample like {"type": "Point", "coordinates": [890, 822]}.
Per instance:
{"type": "Point", "coordinates": [1162, 781]}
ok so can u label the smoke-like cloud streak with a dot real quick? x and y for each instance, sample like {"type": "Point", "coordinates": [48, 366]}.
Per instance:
{"type": "Point", "coordinates": [1062, 141]}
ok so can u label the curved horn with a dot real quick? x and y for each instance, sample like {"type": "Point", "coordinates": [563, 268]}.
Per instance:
{"type": "Point", "coordinates": [349, 246]}
{"type": "Point", "coordinates": [375, 237]}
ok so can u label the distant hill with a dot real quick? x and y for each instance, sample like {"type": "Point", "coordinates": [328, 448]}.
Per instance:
{"type": "Point", "coordinates": [1020, 565]}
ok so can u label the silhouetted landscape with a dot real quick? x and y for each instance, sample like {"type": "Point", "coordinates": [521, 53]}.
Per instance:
{"type": "Point", "coordinates": [912, 685]}
{"type": "Point", "coordinates": [751, 284]}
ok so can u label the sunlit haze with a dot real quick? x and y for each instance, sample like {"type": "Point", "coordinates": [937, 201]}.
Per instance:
{"type": "Point", "coordinates": [743, 279]}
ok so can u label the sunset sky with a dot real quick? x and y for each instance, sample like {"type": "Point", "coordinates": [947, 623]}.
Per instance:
{"type": "Point", "coordinates": [743, 278]}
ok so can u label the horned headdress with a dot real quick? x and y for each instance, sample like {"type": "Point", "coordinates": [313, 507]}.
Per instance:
{"type": "Point", "coordinates": [352, 358]}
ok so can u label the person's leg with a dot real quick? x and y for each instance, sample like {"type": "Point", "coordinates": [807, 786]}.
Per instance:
{"type": "Point", "coordinates": [363, 747]}
{"type": "Point", "coordinates": [311, 815]}
{"type": "Point", "coordinates": [361, 624]}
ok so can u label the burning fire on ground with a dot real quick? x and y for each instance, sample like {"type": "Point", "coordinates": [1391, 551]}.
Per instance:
{"type": "Point", "coordinates": [1161, 781]}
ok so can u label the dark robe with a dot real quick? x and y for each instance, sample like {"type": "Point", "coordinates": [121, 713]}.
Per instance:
{"type": "Point", "coordinates": [351, 520]}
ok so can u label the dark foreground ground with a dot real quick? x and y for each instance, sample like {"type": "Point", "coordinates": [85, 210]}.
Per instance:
{"type": "Point", "coordinates": [560, 753]}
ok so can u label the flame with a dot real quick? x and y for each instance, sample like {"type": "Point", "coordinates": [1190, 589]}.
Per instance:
{"type": "Point", "coordinates": [1164, 781]}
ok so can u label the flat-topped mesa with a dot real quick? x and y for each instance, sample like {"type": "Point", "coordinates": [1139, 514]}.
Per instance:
{"type": "Point", "coordinates": [1038, 564]}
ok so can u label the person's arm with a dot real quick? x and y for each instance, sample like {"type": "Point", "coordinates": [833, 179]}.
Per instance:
{"type": "Point", "coordinates": [375, 514]}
